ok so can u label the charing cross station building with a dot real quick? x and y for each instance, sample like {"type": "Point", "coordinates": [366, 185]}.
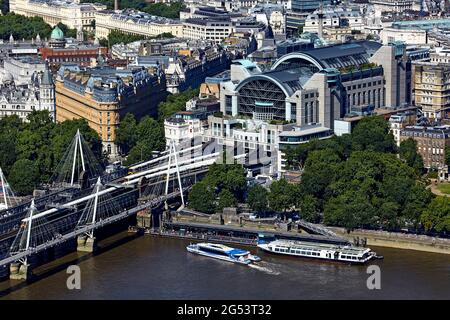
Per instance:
{"type": "Point", "coordinates": [305, 92]}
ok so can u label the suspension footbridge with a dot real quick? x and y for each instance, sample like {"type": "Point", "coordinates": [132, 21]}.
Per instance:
{"type": "Point", "coordinates": [83, 199]}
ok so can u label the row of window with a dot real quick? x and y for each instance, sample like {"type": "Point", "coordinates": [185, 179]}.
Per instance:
{"type": "Point", "coordinates": [363, 85]}
{"type": "Point", "coordinates": [348, 257]}
{"type": "Point", "coordinates": [420, 134]}
{"type": "Point", "coordinates": [297, 251]}
{"type": "Point", "coordinates": [18, 107]}
{"type": "Point", "coordinates": [369, 97]}
{"type": "Point", "coordinates": [431, 143]}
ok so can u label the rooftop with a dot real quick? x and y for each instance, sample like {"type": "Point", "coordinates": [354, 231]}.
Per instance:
{"type": "Point", "coordinates": [138, 17]}
{"type": "Point", "coordinates": [421, 24]}
{"type": "Point", "coordinates": [336, 56]}
{"type": "Point", "coordinates": [294, 131]}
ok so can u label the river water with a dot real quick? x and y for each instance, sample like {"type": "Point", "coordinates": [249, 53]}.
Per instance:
{"type": "Point", "coordinates": [146, 267]}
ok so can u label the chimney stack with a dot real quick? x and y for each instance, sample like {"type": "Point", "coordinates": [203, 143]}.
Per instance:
{"type": "Point", "coordinates": [320, 14]}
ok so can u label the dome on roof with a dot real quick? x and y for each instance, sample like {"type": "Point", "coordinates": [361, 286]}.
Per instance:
{"type": "Point", "coordinates": [57, 34]}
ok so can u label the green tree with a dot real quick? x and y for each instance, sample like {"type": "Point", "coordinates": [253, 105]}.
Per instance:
{"type": "Point", "coordinates": [437, 215]}
{"type": "Point", "coordinates": [319, 171]}
{"type": "Point", "coordinates": [227, 176]}
{"type": "Point", "coordinates": [116, 36]}
{"type": "Point", "coordinates": [202, 198]}
{"type": "Point", "coordinates": [372, 134]}
{"type": "Point", "coordinates": [65, 131]}
{"type": "Point", "coordinates": [9, 130]}
{"type": "Point", "coordinates": [22, 27]}
{"type": "Point", "coordinates": [226, 200]}
{"type": "Point", "coordinates": [139, 140]}
{"type": "Point", "coordinates": [171, 10]}
{"type": "Point", "coordinates": [408, 153]}
{"type": "Point", "coordinates": [42, 142]}
{"type": "Point", "coordinates": [309, 208]}
{"type": "Point", "coordinates": [447, 156]}
{"type": "Point", "coordinates": [388, 214]}
{"type": "Point", "coordinates": [418, 199]}
{"type": "Point", "coordinates": [141, 151]}
{"type": "Point", "coordinates": [127, 133]}
{"type": "Point", "coordinates": [349, 210]}
{"type": "Point", "coordinates": [175, 103]}
{"type": "Point", "coordinates": [385, 181]}
{"type": "Point", "coordinates": [257, 198]}
{"type": "Point", "coordinates": [70, 33]}
{"type": "Point", "coordinates": [281, 196]}
{"type": "Point", "coordinates": [24, 176]}
{"type": "Point", "coordinates": [150, 132]}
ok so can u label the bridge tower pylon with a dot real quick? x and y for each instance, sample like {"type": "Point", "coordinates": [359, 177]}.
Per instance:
{"type": "Point", "coordinates": [77, 165]}
{"type": "Point", "coordinates": [97, 208]}
{"type": "Point", "coordinates": [7, 197]}
{"type": "Point", "coordinates": [173, 153]}
{"type": "Point", "coordinates": [20, 270]}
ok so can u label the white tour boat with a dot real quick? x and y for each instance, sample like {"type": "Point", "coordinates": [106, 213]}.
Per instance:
{"type": "Point", "coordinates": [324, 251]}
{"type": "Point", "coordinates": [222, 252]}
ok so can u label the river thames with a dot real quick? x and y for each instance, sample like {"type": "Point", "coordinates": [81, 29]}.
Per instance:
{"type": "Point", "coordinates": [146, 267]}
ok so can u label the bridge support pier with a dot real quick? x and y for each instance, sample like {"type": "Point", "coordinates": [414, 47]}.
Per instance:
{"type": "Point", "coordinates": [19, 271]}
{"type": "Point", "coordinates": [86, 244]}
{"type": "Point", "coordinates": [144, 219]}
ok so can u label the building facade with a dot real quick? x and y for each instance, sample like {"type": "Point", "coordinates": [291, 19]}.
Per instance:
{"type": "Point", "coordinates": [432, 89]}
{"type": "Point", "coordinates": [431, 143]}
{"type": "Point", "coordinates": [103, 97]}
{"type": "Point", "coordinates": [392, 5]}
{"type": "Point", "coordinates": [184, 72]}
{"type": "Point", "coordinates": [134, 22]}
{"type": "Point", "coordinates": [308, 5]}
{"type": "Point", "coordinates": [303, 94]}
{"type": "Point", "coordinates": [22, 68]}
{"type": "Point", "coordinates": [72, 13]}
{"type": "Point", "coordinates": [36, 94]}
{"type": "Point", "coordinates": [400, 121]}
{"type": "Point", "coordinates": [215, 30]}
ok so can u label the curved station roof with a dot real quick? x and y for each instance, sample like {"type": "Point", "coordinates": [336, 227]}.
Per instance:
{"type": "Point", "coordinates": [336, 56]}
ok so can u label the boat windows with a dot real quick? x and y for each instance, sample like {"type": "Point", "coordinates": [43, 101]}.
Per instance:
{"type": "Point", "coordinates": [212, 250]}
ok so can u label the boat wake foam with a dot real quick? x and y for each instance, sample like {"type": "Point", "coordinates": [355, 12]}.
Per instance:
{"type": "Point", "coordinates": [265, 268]}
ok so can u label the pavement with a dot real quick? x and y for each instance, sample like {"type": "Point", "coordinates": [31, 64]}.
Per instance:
{"type": "Point", "coordinates": [435, 190]}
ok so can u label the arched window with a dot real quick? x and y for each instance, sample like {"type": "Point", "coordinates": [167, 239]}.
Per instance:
{"type": "Point", "coordinates": [262, 99]}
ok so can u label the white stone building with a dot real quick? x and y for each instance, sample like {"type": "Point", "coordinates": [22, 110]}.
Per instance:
{"type": "Point", "coordinates": [399, 121]}
{"type": "Point", "coordinates": [22, 68]}
{"type": "Point", "coordinates": [179, 128]}
{"type": "Point", "coordinates": [335, 17]}
{"type": "Point", "coordinates": [207, 29]}
{"type": "Point", "coordinates": [72, 13]}
{"type": "Point", "coordinates": [408, 36]}
{"type": "Point", "coordinates": [134, 22]}
{"type": "Point", "coordinates": [21, 100]}
{"type": "Point", "coordinates": [392, 5]}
